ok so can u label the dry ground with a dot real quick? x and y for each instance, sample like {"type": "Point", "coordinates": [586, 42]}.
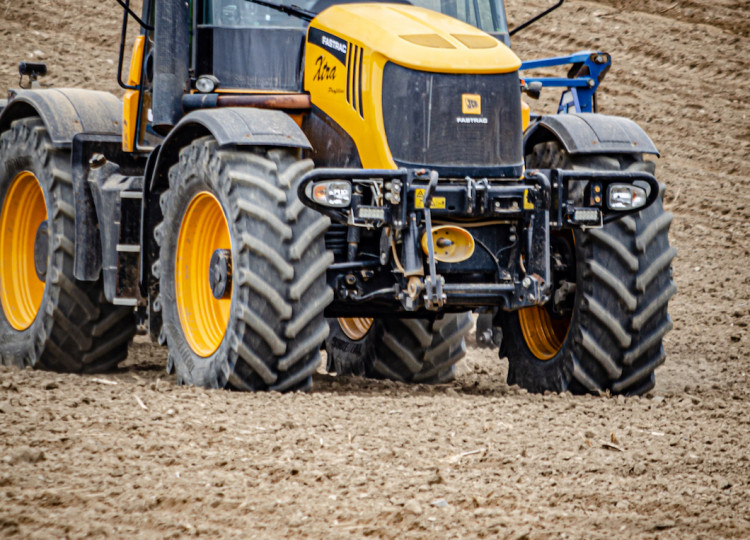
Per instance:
{"type": "Point", "coordinates": [132, 454]}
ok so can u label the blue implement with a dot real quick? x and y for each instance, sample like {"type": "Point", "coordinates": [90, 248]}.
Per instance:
{"type": "Point", "coordinates": [587, 71]}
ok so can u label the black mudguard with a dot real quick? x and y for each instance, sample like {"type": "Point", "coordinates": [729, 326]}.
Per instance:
{"type": "Point", "coordinates": [590, 133]}
{"type": "Point", "coordinates": [235, 126]}
{"type": "Point", "coordinates": [65, 112]}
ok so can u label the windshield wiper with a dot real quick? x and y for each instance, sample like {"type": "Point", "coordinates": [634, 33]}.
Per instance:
{"type": "Point", "coordinates": [293, 10]}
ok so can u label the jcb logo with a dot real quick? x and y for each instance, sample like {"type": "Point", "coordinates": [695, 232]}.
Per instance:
{"type": "Point", "coordinates": [471, 104]}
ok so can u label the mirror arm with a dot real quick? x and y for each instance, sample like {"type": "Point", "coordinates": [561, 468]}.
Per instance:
{"type": "Point", "coordinates": [536, 18]}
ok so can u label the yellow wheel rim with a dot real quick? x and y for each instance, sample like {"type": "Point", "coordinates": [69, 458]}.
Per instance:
{"type": "Point", "coordinates": [543, 335]}
{"type": "Point", "coordinates": [203, 317]}
{"type": "Point", "coordinates": [23, 212]}
{"type": "Point", "coordinates": [355, 328]}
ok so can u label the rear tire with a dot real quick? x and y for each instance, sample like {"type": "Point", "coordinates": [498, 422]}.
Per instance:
{"type": "Point", "coordinates": [623, 283]}
{"type": "Point", "coordinates": [406, 350]}
{"type": "Point", "coordinates": [73, 329]}
{"type": "Point", "coordinates": [273, 328]}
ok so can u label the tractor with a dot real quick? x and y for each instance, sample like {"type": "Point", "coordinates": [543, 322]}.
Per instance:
{"type": "Point", "coordinates": [281, 179]}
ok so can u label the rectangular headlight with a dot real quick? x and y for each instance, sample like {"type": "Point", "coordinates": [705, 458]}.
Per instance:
{"type": "Point", "coordinates": [587, 216]}
{"type": "Point", "coordinates": [625, 197]}
{"type": "Point", "coordinates": [372, 212]}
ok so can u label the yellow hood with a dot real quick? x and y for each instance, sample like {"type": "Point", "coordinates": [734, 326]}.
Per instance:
{"type": "Point", "coordinates": [418, 38]}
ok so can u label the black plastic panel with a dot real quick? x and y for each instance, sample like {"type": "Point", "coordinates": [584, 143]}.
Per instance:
{"type": "Point", "coordinates": [435, 120]}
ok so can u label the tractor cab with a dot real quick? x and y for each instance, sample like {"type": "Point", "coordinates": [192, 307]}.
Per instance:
{"type": "Point", "coordinates": [250, 46]}
{"type": "Point", "coordinates": [325, 63]}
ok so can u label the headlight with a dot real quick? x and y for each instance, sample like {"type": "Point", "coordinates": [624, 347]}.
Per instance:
{"type": "Point", "coordinates": [334, 193]}
{"type": "Point", "coordinates": [625, 197]}
{"type": "Point", "coordinates": [587, 216]}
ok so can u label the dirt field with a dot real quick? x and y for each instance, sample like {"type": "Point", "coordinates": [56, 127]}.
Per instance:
{"type": "Point", "coordinates": [132, 454]}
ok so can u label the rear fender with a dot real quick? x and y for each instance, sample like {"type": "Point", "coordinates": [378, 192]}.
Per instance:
{"type": "Point", "coordinates": [65, 112]}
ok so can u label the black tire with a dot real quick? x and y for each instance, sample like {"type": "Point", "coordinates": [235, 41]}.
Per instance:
{"type": "Point", "coordinates": [276, 324]}
{"type": "Point", "coordinates": [406, 350]}
{"type": "Point", "coordinates": [623, 280]}
{"type": "Point", "coordinates": [75, 330]}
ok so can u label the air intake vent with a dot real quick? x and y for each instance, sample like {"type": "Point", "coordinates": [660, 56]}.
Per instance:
{"type": "Point", "coordinates": [354, 78]}
{"type": "Point", "coordinates": [476, 42]}
{"type": "Point", "coordinates": [428, 40]}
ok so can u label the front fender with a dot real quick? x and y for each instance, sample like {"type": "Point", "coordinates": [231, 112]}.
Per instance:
{"type": "Point", "coordinates": [590, 133]}
{"type": "Point", "coordinates": [236, 126]}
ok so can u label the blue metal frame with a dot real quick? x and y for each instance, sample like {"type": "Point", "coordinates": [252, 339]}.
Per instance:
{"type": "Point", "coordinates": [579, 94]}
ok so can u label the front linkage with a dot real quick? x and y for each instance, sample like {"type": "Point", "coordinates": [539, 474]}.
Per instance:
{"type": "Point", "coordinates": [407, 206]}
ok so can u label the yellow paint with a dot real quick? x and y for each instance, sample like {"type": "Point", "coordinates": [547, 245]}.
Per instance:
{"type": "Point", "coordinates": [544, 336]}
{"type": "Point", "coordinates": [23, 211]}
{"type": "Point", "coordinates": [437, 202]}
{"type": "Point", "coordinates": [527, 204]}
{"type": "Point", "coordinates": [355, 328]}
{"type": "Point", "coordinates": [379, 27]}
{"type": "Point", "coordinates": [130, 100]}
{"type": "Point", "coordinates": [471, 104]}
{"type": "Point", "coordinates": [298, 118]}
{"type": "Point", "coordinates": [374, 33]}
{"type": "Point", "coordinates": [460, 244]}
{"type": "Point", "coordinates": [203, 318]}
{"type": "Point", "coordinates": [525, 114]}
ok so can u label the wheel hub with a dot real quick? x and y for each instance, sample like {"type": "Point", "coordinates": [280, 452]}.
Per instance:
{"type": "Point", "coordinates": [41, 251]}
{"type": "Point", "coordinates": [220, 273]}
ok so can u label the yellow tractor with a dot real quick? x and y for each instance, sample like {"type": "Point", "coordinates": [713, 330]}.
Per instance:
{"type": "Point", "coordinates": [358, 177]}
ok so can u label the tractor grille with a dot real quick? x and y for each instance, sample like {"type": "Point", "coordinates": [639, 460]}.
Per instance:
{"type": "Point", "coordinates": [453, 121]}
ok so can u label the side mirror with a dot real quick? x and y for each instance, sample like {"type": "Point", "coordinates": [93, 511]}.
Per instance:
{"type": "Point", "coordinates": [532, 89]}
{"type": "Point", "coordinates": [32, 70]}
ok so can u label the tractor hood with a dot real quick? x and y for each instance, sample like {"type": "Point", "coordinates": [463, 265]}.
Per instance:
{"type": "Point", "coordinates": [417, 38]}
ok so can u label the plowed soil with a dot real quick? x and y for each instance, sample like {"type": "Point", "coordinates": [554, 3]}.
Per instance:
{"type": "Point", "coordinates": [132, 454]}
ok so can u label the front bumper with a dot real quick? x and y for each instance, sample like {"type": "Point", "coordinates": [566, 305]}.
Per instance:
{"type": "Point", "coordinates": [517, 215]}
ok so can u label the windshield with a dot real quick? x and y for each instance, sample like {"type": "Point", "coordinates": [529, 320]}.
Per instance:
{"type": "Point", "coordinates": [487, 15]}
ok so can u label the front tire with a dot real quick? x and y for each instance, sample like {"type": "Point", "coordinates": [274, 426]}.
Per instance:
{"type": "Point", "coordinates": [262, 327]}
{"type": "Point", "coordinates": [48, 318]}
{"type": "Point", "coordinates": [611, 337]}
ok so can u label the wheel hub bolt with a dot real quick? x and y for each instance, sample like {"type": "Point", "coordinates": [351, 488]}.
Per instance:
{"type": "Point", "coordinates": [220, 273]}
